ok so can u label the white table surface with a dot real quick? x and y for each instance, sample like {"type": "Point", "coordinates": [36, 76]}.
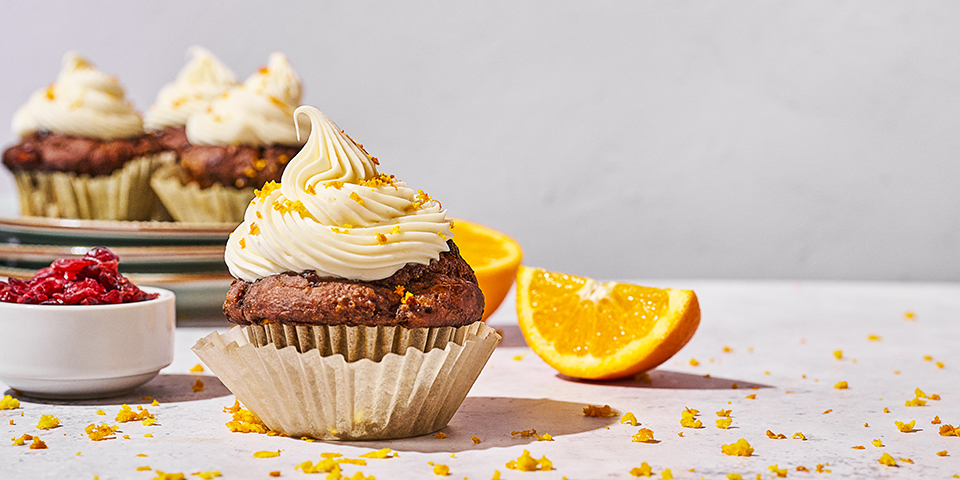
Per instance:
{"type": "Point", "coordinates": [787, 329]}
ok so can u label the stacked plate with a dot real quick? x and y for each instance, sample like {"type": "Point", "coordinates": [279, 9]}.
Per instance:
{"type": "Point", "coordinates": [184, 257]}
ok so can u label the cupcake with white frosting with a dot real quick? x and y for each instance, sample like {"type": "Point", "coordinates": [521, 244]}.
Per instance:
{"type": "Point", "coordinates": [203, 79]}
{"type": "Point", "coordinates": [83, 152]}
{"type": "Point", "coordinates": [240, 141]}
{"type": "Point", "coordinates": [358, 317]}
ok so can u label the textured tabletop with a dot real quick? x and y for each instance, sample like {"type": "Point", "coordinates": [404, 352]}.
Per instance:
{"type": "Point", "coordinates": [776, 341]}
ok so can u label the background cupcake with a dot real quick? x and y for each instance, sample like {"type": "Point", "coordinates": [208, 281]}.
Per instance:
{"type": "Point", "coordinates": [83, 152]}
{"type": "Point", "coordinates": [237, 144]}
{"type": "Point", "coordinates": [202, 79]}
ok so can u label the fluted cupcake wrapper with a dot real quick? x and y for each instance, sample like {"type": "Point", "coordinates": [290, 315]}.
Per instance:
{"type": "Point", "coordinates": [330, 398]}
{"type": "Point", "coordinates": [123, 195]}
{"type": "Point", "coordinates": [355, 343]}
{"type": "Point", "coordinates": [190, 203]}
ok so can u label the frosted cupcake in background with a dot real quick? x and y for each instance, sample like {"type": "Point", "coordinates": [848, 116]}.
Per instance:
{"type": "Point", "coordinates": [241, 141]}
{"type": "Point", "coordinates": [359, 319]}
{"type": "Point", "coordinates": [83, 152]}
{"type": "Point", "coordinates": [202, 79]}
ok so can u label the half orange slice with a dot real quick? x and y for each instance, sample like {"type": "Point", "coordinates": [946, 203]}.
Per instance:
{"type": "Point", "coordinates": [601, 331]}
{"type": "Point", "coordinates": [493, 256]}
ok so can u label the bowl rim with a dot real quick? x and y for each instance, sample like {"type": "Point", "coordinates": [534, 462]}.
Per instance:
{"type": "Point", "coordinates": [165, 296]}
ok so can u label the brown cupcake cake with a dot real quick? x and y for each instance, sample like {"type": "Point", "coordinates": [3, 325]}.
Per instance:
{"type": "Point", "coordinates": [240, 141]}
{"type": "Point", "coordinates": [346, 275]}
{"type": "Point", "coordinates": [83, 152]}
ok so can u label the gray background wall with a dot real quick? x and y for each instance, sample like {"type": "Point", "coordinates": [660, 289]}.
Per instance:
{"type": "Point", "coordinates": [806, 139]}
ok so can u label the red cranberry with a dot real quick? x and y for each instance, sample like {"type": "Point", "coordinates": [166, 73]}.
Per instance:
{"type": "Point", "coordinates": [92, 280]}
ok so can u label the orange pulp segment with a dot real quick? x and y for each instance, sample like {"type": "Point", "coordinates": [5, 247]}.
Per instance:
{"type": "Point", "coordinates": [586, 329]}
{"type": "Point", "coordinates": [493, 256]}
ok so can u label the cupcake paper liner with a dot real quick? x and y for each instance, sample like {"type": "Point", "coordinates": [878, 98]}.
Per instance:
{"type": "Point", "coordinates": [123, 195]}
{"type": "Point", "coordinates": [190, 203]}
{"type": "Point", "coordinates": [405, 393]}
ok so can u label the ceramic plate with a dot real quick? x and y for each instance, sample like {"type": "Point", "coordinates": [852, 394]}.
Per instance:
{"type": "Point", "coordinates": [57, 231]}
{"type": "Point", "coordinates": [160, 259]}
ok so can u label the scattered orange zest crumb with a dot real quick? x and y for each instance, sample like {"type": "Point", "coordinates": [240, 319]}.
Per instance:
{"type": "Point", "coordinates": [126, 414]}
{"type": "Point", "coordinates": [598, 411]}
{"type": "Point", "coordinates": [905, 427]}
{"type": "Point", "coordinates": [198, 387]}
{"type": "Point", "coordinates": [526, 463]}
{"type": "Point", "coordinates": [801, 468]}
{"type": "Point", "coordinates": [9, 403]}
{"type": "Point", "coordinates": [266, 454]}
{"type": "Point", "coordinates": [781, 472]}
{"type": "Point", "coordinates": [724, 423]}
{"type": "Point", "coordinates": [440, 469]}
{"type": "Point", "coordinates": [476, 440]}
{"type": "Point", "coordinates": [643, 470]}
{"type": "Point", "coordinates": [644, 435]}
{"type": "Point", "coordinates": [440, 435]}
{"type": "Point", "coordinates": [799, 435]}
{"type": "Point", "coordinates": [949, 431]}
{"type": "Point", "coordinates": [838, 354]}
{"type": "Point", "coordinates": [775, 436]}
{"type": "Point", "coordinates": [916, 402]}
{"type": "Point", "coordinates": [47, 422]}
{"type": "Point", "coordinates": [936, 420]}
{"type": "Point", "coordinates": [887, 460]}
{"type": "Point", "coordinates": [38, 444]}
{"type": "Point", "coordinates": [858, 447]}
{"type": "Point", "coordinates": [724, 413]}
{"type": "Point", "coordinates": [752, 396]}
{"type": "Point", "coordinates": [874, 338]}
{"type": "Point", "coordinates": [740, 448]}
{"type": "Point", "coordinates": [877, 443]}
{"type": "Point", "coordinates": [694, 362]}
{"type": "Point", "coordinates": [942, 453]}
{"type": "Point", "coordinates": [841, 385]}
{"type": "Point", "coordinates": [827, 411]}
{"type": "Point", "coordinates": [886, 410]}
{"type": "Point", "coordinates": [630, 418]}
{"type": "Point", "coordinates": [101, 432]}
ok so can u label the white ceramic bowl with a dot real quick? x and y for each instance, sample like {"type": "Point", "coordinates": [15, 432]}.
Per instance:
{"type": "Point", "coordinates": [85, 351]}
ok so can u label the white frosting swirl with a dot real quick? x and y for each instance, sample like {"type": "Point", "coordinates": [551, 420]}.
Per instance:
{"type": "Point", "coordinates": [335, 214]}
{"type": "Point", "coordinates": [259, 112]}
{"type": "Point", "coordinates": [202, 79]}
{"type": "Point", "coordinates": [84, 102]}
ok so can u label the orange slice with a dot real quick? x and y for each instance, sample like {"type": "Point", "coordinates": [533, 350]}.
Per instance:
{"type": "Point", "coordinates": [493, 256]}
{"type": "Point", "coordinates": [602, 331]}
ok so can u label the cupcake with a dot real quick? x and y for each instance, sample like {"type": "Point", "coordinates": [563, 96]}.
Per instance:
{"type": "Point", "coordinates": [202, 79]}
{"type": "Point", "coordinates": [357, 317]}
{"type": "Point", "coordinates": [83, 152]}
{"type": "Point", "coordinates": [242, 140]}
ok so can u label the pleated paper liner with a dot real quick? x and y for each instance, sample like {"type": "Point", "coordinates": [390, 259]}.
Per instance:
{"type": "Point", "coordinates": [190, 203]}
{"type": "Point", "coordinates": [305, 393]}
{"type": "Point", "coordinates": [123, 195]}
{"type": "Point", "coordinates": [355, 343]}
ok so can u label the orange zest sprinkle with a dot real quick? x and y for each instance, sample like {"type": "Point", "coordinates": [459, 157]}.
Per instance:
{"type": "Point", "coordinates": [598, 411]}
{"type": "Point", "coordinates": [644, 435]}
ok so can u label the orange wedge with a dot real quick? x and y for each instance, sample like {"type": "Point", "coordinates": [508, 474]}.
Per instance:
{"type": "Point", "coordinates": [601, 331]}
{"type": "Point", "coordinates": [493, 256]}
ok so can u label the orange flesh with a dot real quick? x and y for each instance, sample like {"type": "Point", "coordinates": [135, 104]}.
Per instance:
{"type": "Point", "coordinates": [479, 249]}
{"type": "Point", "coordinates": [577, 325]}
